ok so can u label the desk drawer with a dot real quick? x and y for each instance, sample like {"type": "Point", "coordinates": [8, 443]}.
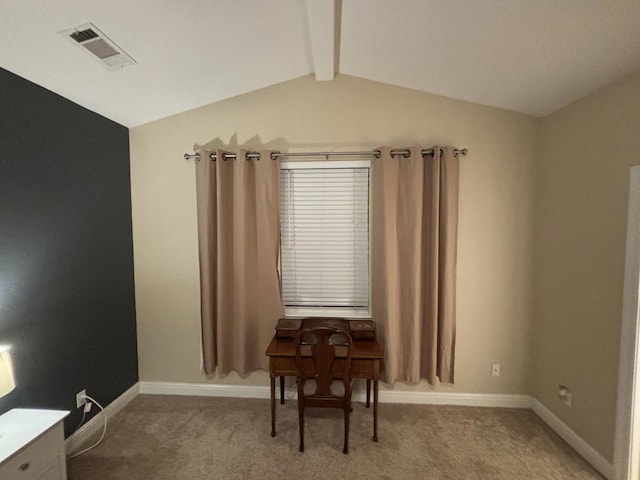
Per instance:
{"type": "Point", "coordinates": [30, 462]}
{"type": "Point", "coordinates": [362, 369]}
{"type": "Point", "coordinates": [286, 366]}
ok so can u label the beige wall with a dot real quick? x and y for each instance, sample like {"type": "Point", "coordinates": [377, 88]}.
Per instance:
{"type": "Point", "coordinates": [495, 249]}
{"type": "Point", "coordinates": [582, 170]}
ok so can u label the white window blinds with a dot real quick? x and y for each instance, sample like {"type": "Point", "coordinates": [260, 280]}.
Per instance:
{"type": "Point", "coordinates": [325, 235]}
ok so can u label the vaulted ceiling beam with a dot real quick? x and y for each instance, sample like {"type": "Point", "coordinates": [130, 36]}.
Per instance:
{"type": "Point", "coordinates": [323, 33]}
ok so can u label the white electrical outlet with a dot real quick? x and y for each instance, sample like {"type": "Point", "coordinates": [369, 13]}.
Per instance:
{"type": "Point", "coordinates": [81, 398]}
{"type": "Point", "coordinates": [565, 395]}
{"type": "Point", "coordinates": [495, 369]}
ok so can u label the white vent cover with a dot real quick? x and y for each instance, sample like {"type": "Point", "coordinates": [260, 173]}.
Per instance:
{"type": "Point", "coordinates": [92, 40]}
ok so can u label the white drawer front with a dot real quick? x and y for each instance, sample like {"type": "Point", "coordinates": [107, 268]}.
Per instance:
{"type": "Point", "coordinates": [33, 460]}
{"type": "Point", "coordinates": [53, 471]}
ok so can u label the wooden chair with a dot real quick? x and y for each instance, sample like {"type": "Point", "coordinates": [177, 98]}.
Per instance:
{"type": "Point", "coordinates": [316, 360]}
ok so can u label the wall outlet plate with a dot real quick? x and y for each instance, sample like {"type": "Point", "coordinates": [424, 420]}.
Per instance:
{"type": "Point", "coordinates": [81, 398]}
{"type": "Point", "coordinates": [495, 369]}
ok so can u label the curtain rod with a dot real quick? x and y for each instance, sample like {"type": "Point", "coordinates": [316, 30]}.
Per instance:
{"type": "Point", "coordinates": [274, 155]}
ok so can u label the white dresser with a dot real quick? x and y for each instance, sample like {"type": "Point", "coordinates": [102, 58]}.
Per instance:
{"type": "Point", "coordinates": [32, 445]}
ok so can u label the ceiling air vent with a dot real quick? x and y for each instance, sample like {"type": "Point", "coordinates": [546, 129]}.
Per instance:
{"type": "Point", "coordinates": [99, 46]}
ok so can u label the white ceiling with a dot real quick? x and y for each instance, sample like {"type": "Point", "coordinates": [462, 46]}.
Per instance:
{"type": "Point", "coordinates": [531, 56]}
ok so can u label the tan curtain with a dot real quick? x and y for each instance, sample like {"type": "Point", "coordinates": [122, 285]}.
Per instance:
{"type": "Point", "coordinates": [414, 231]}
{"type": "Point", "coordinates": [239, 238]}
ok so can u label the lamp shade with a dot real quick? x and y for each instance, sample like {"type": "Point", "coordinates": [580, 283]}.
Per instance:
{"type": "Point", "coordinates": [7, 382]}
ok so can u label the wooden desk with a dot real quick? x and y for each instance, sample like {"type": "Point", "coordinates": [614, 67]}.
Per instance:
{"type": "Point", "coordinates": [366, 362]}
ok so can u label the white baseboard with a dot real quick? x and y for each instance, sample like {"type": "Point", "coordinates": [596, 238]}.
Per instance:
{"type": "Point", "coordinates": [496, 400]}
{"type": "Point", "coordinates": [77, 440]}
{"type": "Point", "coordinates": [204, 390]}
{"type": "Point", "coordinates": [572, 438]}
{"type": "Point", "coordinates": [386, 396]}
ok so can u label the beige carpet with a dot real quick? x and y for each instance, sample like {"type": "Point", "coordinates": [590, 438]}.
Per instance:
{"type": "Point", "coordinates": [170, 437]}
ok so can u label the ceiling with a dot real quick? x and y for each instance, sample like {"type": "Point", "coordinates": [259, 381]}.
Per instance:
{"type": "Point", "coordinates": [531, 56]}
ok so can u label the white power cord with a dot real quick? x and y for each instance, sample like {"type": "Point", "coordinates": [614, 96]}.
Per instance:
{"type": "Point", "coordinates": [104, 430]}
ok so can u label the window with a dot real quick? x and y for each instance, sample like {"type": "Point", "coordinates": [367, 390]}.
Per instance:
{"type": "Point", "coordinates": [324, 209]}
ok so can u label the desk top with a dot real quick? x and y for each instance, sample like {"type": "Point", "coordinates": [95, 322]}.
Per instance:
{"type": "Point", "coordinates": [361, 349]}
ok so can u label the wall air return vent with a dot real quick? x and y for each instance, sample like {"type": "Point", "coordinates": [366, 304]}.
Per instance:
{"type": "Point", "coordinates": [96, 43]}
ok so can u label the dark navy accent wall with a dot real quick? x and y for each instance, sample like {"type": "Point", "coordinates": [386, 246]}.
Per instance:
{"type": "Point", "coordinates": [66, 253]}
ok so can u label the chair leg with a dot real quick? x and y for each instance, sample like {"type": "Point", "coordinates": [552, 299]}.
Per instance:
{"type": "Point", "coordinates": [347, 414]}
{"type": "Point", "coordinates": [301, 422]}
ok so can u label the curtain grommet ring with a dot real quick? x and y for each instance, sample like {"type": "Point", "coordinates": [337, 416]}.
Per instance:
{"type": "Point", "coordinates": [407, 154]}
{"type": "Point", "coordinates": [246, 156]}
{"type": "Point", "coordinates": [212, 157]}
{"type": "Point", "coordinates": [274, 155]}
{"type": "Point", "coordinates": [377, 153]}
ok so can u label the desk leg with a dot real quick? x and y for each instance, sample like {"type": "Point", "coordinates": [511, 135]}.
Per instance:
{"type": "Point", "coordinates": [273, 406]}
{"type": "Point", "coordinates": [368, 392]}
{"type": "Point", "coordinates": [282, 390]}
{"type": "Point", "coordinates": [375, 410]}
